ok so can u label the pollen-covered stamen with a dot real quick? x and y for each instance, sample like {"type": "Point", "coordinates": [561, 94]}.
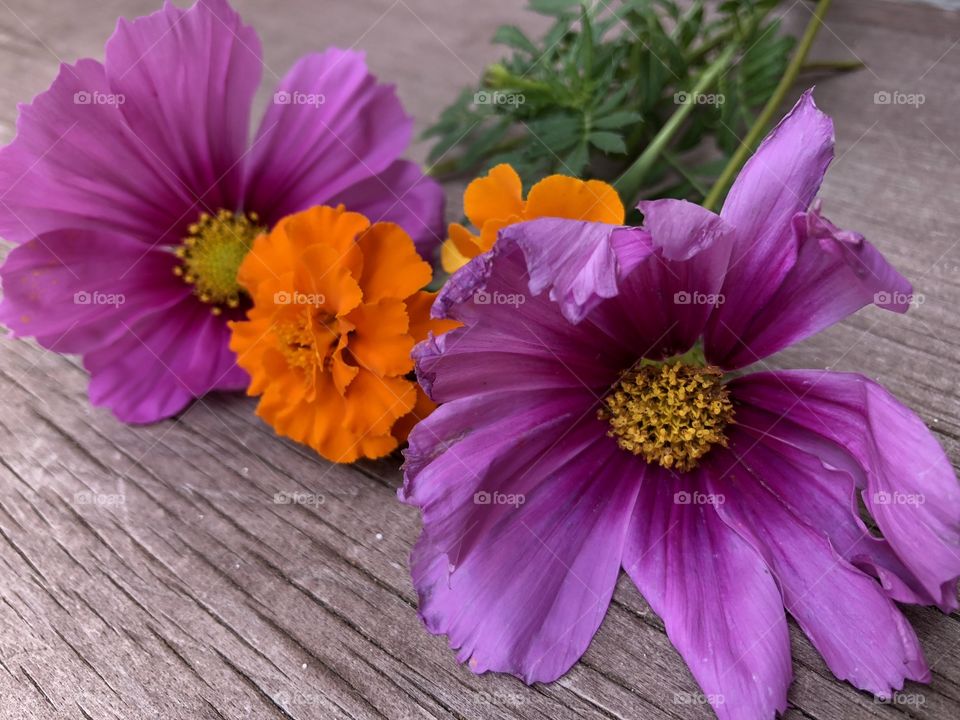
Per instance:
{"type": "Point", "coordinates": [672, 414]}
{"type": "Point", "coordinates": [211, 255]}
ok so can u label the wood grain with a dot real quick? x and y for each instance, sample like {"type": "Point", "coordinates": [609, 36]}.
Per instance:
{"type": "Point", "coordinates": [149, 572]}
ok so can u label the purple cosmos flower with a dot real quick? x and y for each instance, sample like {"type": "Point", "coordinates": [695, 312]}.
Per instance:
{"type": "Point", "coordinates": [133, 194]}
{"type": "Point", "coordinates": [591, 419]}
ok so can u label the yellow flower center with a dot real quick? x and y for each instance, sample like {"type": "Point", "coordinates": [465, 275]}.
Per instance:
{"type": "Point", "coordinates": [211, 255]}
{"type": "Point", "coordinates": [671, 414]}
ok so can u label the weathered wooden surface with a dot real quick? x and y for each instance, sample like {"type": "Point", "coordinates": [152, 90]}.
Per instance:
{"type": "Point", "coordinates": [148, 572]}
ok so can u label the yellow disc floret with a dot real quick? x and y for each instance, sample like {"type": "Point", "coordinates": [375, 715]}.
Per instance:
{"type": "Point", "coordinates": [211, 255]}
{"type": "Point", "coordinates": [671, 414]}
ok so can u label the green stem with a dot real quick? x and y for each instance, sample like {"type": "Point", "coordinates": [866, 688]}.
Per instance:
{"type": "Point", "coordinates": [840, 66]}
{"type": "Point", "coordinates": [682, 172]}
{"type": "Point", "coordinates": [728, 35]}
{"type": "Point", "coordinates": [631, 181]}
{"type": "Point", "coordinates": [497, 77]}
{"type": "Point", "coordinates": [453, 166]}
{"type": "Point", "coordinates": [757, 130]}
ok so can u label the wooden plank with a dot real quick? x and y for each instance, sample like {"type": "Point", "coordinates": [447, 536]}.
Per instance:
{"type": "Point", "coordinates": [148, 572]}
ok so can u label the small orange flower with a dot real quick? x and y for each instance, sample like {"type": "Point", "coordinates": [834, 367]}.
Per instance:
{"type": "Point", "coordinates": [337, 307]}
{"type": "Point", "coordinates": [496, 200]}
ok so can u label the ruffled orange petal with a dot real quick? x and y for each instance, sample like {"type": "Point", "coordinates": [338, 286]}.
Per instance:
{"type": "Point", "coordinates": [488, 235]}
{"type": "Point", "coordinates": [498, 194]}
{"type": "Point", "coordinates": [566, 197]}
{"type": "Point", "coordinates": [320, 283]}
{"type": "Point", "coordinates": [381, 341]}
{"type": "Point", "coordinates": [391, 266]}
{"type": "Point", "coordinates": [421, 324]}
{"type": "Point", "coordinates": [459, 248]}
{"type": "Point", "coordinates": [451, 259]}
{"type": "Point", "coordinates": [421, 410]}
{"type": "Point", "coordinates": [278, 251]}
{"type": "Point", "coordinates": [374, 403]}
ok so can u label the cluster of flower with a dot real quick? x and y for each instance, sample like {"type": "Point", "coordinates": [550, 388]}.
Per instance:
{"type": "Point", "coordinates": [580, 402]}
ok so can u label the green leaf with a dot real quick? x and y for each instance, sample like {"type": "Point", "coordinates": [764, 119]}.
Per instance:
{"type": "Point", "coordinates": [512, 36]}
{"type": "Point", "coordinates": [552, 7]}
{"type": "Point", "coordinates": [609, 142]}
{"type": "Point", "coordinates": [618, 120]}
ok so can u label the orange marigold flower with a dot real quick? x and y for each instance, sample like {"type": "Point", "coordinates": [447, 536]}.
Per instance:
{"type": "Point", "coordinates": [337, 307]}
{"type": "Point", "coordinates": [496, 200]}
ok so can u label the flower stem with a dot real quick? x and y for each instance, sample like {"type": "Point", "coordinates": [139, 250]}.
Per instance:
{"type": "Point", "coordinates": [757, 130]}
{"type": "Point", "coordinates": [631, 181]}
{"type": "Point", "coordinates": [838, 66]}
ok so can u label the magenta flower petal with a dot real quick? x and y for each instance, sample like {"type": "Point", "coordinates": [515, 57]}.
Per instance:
{"type": "Point", "coordinates": [74, 289]}
{"type": "Point", "coordinates": [779, 181]}
{"type": "Point", "coordinates": [819, 481]}
{"type": "Point", "coordinates": [837, 272]}
{"type": "Point", "coordinates": [579, 263]}
{"type": "Point", "coordinates": [60, 173]}
{"type": "Point", "coordinates": [170, 373]}
{"type": "Point", "coordinates": [868, 643]}
{"type": "Point", "coordinates": [188, 77]}
{"type": "Point", "coordinates": [329, 126]}
{"type": "Point", "coordinates": [720, 605]}
{"type": "Point", "coordinates": [517, 583]}
{"type": "Point", "coordinates": [679, 285]}
{"type": "Point", "coordinates": [910, 490]}
{"type": "Point", "coordinates": [505, 325]}
{"type": "Point", "coordinates": [401, 194]}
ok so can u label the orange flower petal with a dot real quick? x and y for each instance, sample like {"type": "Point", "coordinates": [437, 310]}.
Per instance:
{"type": "Point", "coordinates": [497, 195]}
{"type": "Point", "coordinates": [391, 265]}
{"type": "Point", "coordinates": [451, 259]}
{"type": "Point", "coordinates": [319, 282]}
{"type": "Point", "coordinates": [374, 403]}
{"type": "Point", "coordinates": [278, 251]}
{"type": "Point", "coordinates": [459, 249]}
{"type": "Point", "coordinates": [566, 197]}
{"type": "Point", "coordinates": [381, 341]}
{"type": "Point", "coordinates": [250, 340]}
{"type": "Point", "coordinates": [421, 410]}
{"type": "Point", "coordinates": [421, 324]}
{"type": "Point", "coordinates": [488, 236]}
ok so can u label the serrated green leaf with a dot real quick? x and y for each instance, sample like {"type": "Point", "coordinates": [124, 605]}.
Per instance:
{"type": "Point", "coordinates": [608, 142]}
{"type": "Point", "coordinates": [618, 120]}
